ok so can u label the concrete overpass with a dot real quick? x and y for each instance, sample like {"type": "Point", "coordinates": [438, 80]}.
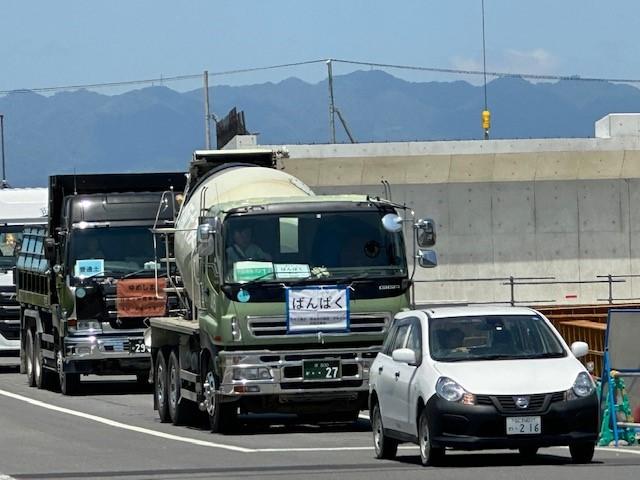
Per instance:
{"type": "Point", "coordinates": [562, 208]}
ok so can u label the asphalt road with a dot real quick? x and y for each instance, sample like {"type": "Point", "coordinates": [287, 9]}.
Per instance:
{"type": "Point", "coordinates": [110, 431]}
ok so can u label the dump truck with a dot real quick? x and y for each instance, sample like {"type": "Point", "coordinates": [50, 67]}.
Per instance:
{"type": "Point", "coordinates": [287, 295]}
{"type": "Point", "coordinates": [19, 207]}
{"type": "Point", "coordinates": [87, 282]}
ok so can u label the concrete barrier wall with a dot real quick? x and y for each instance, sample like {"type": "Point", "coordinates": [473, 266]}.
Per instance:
{"type": "Point", "coordinates": [529, 208]}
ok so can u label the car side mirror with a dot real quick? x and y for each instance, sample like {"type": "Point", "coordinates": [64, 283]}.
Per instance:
{"type": "Point", "coordinates": [425, 232]}
{"type": "Point", "coordinates": [427, 258]}
{"type": "Point", "coordinates": [404, 355]}
{"type": "Point", "coordinates": [579, 349]}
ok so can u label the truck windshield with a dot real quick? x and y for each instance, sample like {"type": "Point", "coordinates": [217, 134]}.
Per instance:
{"type": "Point", "coordinates": [114, 251]}
{"type": "Point", "coordinates": [10, 241]}
{"type": "Point", "coordinates": [507, 337]}
{"type": "Point", "coordinates": [330, 245]}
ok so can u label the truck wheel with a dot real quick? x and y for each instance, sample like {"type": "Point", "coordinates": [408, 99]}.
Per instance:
{"type": "Point", "coordinates": [385, 447]}
{"type": "Point", "coordinates": [222, 417]}
{"type": "Point", "coordinates": [429, 455]}
{"type": "Point", "coordinates": [160, 388]}
{"type": "Point", "coordinates": [28, 353]}
{"type": "Point", "coordinates": [69, 382]}
{"type": "Point", "coordinates": [582, 452]}
{"type": "Point", "coordinates": [41, 375]}
{"type": "Point", "coordinates": [178, 410]}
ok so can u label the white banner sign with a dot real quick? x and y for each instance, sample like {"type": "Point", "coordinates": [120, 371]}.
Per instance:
{"type": "Point", "coordinates": [316, 309]}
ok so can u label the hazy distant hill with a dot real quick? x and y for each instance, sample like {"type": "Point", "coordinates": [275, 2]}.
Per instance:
{"type": "Point", "coordinates": [156, 128]}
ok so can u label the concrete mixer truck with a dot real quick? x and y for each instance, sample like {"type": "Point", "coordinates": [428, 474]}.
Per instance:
{"type": "Point", "coordinates": [287, 295]}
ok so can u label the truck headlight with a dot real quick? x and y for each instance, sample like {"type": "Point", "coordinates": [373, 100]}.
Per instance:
{"type": "Point", "coordinates": [582, 387]}
{"type": "Point", "coordinates": [450, 391]}
{"type": "Point", "coordinates": [85, 326]}
{"type": "Point", "coordinates": [251, 373]}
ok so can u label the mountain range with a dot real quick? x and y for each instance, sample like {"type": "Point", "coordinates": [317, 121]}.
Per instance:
{"type": "Point", "coordinates": [156, 128]}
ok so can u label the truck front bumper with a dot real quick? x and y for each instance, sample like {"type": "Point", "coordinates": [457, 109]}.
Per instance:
{"type": "Point", "coordinates": [102, 347]}
{"type": "Point", "coordinates": [281, 372]}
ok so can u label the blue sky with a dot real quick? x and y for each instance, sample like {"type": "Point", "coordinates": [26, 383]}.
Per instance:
{"type": "Point", "coordinates": [45, 43]}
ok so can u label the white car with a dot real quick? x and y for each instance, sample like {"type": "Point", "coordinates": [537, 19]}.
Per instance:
{"type": "Point", "coordinates": [476, 378]}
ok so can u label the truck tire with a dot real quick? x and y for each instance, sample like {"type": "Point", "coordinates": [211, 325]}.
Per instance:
{"type": "Point", "coordinates": [69, 382]}
{"type": "Point", "coordinates": [179, 410]}
{"type": "Point", "coordinates": [41, 375]}
{"type": "Point", "coordinates": [29, 358]}
{"type": "Point", "coordinates": [160, 390]}
{"type": "Point", "coordinates": [222, 416]}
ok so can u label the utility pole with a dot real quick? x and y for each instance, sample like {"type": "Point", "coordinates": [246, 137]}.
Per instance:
{"type": "Point", "coordinates": [207, 115]}
{"type": "Point", "coordinates": [332, 117]}
{"type": "Point", "coordinates": [4, 172]}
{"type": "Point", "coordinates": [486, 114]}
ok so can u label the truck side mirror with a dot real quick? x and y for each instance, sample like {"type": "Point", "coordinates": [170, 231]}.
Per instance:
{"type": "Point", "coordinates": [205, 239]}
{"type": "Point", "coordinates": [425, 232]}
{"type": "Point", "coordinates": [427, 258]}
{"type": "Point", "coordinates": [50, 250]}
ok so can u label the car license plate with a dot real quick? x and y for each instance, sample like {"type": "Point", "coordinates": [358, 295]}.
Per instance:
{"type": "Point", "coordinates": [321, 370]}
{"type": "Point", "coordinates": [137, 345]}
{"type": "Point", "coordinates": [524, 425]}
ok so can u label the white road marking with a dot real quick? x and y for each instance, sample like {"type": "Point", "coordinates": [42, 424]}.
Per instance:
{"type": "Point", "coordinates": [6, 477]}
{"type": "Point", "coordinates": [203, 443]}
{"type": "Point", "coordinates": [124, 426]}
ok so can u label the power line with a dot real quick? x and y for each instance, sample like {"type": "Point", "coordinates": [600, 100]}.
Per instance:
{"type": "Point", "coordinates": [491, 74]}
{"type": "Point", "coordinates": [162, 79]}
{"type": "Point", "coordinates": [193, 76]}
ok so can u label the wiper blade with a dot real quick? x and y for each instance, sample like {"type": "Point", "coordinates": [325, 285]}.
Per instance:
{"type": "Point", "coordinates": [257, 279]}
{"type": "Point", "coordinates": [138, 272]}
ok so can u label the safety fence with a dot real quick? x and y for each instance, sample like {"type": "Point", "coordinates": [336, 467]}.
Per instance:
{"type": "Point", "coordinates": [585, 323]}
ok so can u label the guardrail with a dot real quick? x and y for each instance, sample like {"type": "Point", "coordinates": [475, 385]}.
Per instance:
{"type": "Point", "coordinates": [513, 282]}
{"type": "Point", "coordinates": [573, 326]}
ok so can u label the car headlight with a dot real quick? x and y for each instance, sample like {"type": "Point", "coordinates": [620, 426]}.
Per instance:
{"type": "Point", "coordinates": [450, 391]}
{"type": "Point", "coordinates": [582, 387]}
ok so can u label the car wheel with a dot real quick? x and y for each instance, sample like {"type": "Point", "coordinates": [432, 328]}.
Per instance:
{"type": "Point", "coordinates": [160, 389]}
{"type": "Point", "coordinates": [69, 382]}
{"type": "Point", "coordinates": [429, 455]}
{"type": "Point", "coordinates": [29, 358]}
{"type": "Point", "coordinates": [528, 452]}
{"type": "Point", "coordinates": [385, 447]}
{"type": "Point", "coordinates": [582, 452]}
{"type": "Point", "coordinates": [222, 416]}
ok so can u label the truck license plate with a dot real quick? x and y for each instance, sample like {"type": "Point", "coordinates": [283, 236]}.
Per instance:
{"type": "Point", "coordinates": [321, 370]}
{"type": "Point", "coordinates": [524, 426]}
{"type": "Point", "coordinates": [136, 345]}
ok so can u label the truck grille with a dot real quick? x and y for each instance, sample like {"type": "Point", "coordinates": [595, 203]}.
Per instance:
{"type": "Point", "coordinates": [276, 326]}
{"type": "Point", "coordinates": [9, 308]}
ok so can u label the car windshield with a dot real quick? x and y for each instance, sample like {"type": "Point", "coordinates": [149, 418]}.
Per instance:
{"type": "Point", "coordinates": [331, 245]}
{"type": "Point", "coordinates": [492, 337]}
{"type": "Point", "coordinates": [10, 241]}
{"type": "Point", "coordinates": [115, 251]}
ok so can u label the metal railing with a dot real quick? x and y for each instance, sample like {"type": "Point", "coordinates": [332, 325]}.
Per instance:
{"type": "Point", "coordinates": [513, 282]}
